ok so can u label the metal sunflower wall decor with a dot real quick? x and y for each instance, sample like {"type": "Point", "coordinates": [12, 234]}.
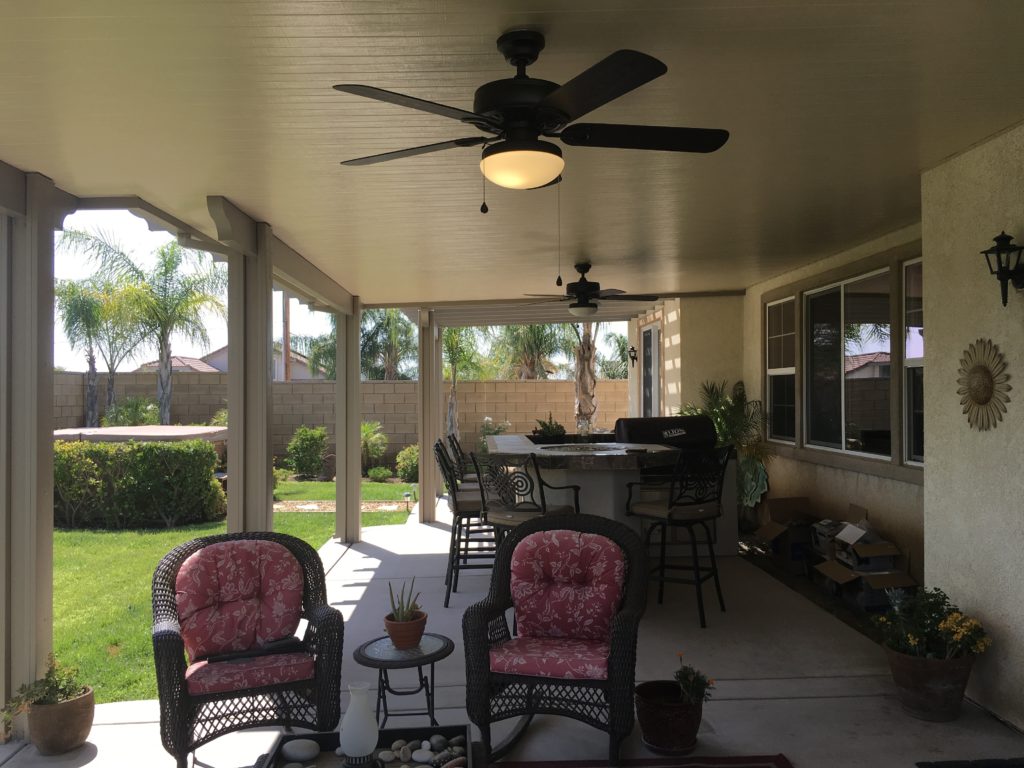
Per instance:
{"type": "Point", "coordinates": [983, 384]}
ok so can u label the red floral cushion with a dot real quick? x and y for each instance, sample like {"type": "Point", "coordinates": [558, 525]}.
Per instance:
{"type": "Point", "coordinates": [237, 595]}
{"type": "Point", "coordinates": [566, 584]}
{"type": "Point", "coordinates": [552, 657]}
{"type": "Point", "coordinates": [218, 677]}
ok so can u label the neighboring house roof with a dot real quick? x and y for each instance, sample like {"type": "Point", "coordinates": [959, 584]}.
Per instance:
{"type": "Point", "coordinates": [298, 358]}
{"type": "Point", "coordinates": [194, 364]}
{"type": "Point", "coordinates": [855, 362]}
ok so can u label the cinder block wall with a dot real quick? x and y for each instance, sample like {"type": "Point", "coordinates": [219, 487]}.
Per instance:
{"type": "Point", "coordinates": [197, 396]}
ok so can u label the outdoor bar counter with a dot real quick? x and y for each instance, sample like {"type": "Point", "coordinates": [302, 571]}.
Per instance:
{"type": "Point", "coordinates": [602, 471]}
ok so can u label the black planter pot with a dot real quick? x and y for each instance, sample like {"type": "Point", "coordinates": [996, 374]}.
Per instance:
{"type": "Point", "coordinates": [668, 725]}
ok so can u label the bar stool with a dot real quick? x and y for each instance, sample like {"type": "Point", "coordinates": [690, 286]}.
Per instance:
{"type": "Point", "coordinates": [693, 499]}
{"type": "Point", "coordinates": [473, 541]}
{"type": "Point", "coordinates": [463, 465]}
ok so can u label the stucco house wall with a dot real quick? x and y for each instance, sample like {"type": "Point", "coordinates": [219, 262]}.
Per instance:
{"type": "Point", "coordinates": [974, 521]}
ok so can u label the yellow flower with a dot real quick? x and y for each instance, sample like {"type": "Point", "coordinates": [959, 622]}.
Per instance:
{"type": "Point", "coordinates": [911, 639]}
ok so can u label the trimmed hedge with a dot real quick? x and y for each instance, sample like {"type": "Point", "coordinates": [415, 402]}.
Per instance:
{"type": "Point", "coordinates": [407, 464]}
{"type": "Point", "coordinates": [307, 449]}
{"type": "Point", "coordinates": [135, 485]}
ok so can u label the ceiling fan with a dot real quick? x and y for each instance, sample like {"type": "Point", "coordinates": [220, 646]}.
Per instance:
{"type": "Point", "coordinates": [584, 294]}
{"type": "Point", "coordinates": [515, 112]}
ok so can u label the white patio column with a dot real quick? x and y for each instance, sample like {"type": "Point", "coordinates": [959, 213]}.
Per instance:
{"type": "Point", "coordinates": [430, 425]}
{"type": "Point", "coordinates": [348, 407]}
{"type": "Point", "coordinates": [250, 367]}
{"type": "Point", "coordinates": [633, 373]}
{"type": "Point", "coordinates": [31, 208]}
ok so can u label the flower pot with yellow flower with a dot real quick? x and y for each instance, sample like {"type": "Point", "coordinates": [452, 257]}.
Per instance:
{"type": "Point", "coordinates": [669, 711]}
{"type": "Point", "coordinates": [931, 646]}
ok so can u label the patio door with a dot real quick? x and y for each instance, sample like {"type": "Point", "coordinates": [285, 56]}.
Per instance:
{"type": "Point", "coordinates": [650, 374]}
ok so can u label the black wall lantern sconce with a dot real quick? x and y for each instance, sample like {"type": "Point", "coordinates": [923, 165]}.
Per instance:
{"type": "Point", "coordinates": [1004, 261]}
{"type": "Point", "coordinates": [632, 357]}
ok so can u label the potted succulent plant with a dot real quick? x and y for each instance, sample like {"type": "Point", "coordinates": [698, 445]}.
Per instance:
{"type": "Point", "coordinates": [60, 709]}
{"type": "Point", "coordinates": [931, 647]}
{"type": "Point", "coordinates": [548, 431]}
{"type": "Point", "coordinates": [406, 622]}
{"type": "Point", "coordinates": [670, 711]}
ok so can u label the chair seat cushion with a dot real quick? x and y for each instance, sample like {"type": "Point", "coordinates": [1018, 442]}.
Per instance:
{"type": "Point", "coordinates": [552, 657]}
{"type": "Point", "coordinates": [237, 595]}
{"type": "Point", "coordinates": [468, 501]}
{"type": "Point", "coordinates": [566, 584]}
{"type": "Point", "coordinates": [205, 677]}
{"type": "Point", "coordinates": [661, 511]}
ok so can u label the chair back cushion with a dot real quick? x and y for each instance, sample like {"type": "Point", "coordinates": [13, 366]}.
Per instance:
{"type": "Point", "coordinates": [237, 595]}
{"type": "Point", "coordinates": [566, 584]}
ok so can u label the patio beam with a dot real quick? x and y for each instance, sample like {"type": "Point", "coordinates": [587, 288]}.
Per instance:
{"type": "Point", "coordinates": [430, 426]}
{"type": "Point", "coordinates": [348, 415]}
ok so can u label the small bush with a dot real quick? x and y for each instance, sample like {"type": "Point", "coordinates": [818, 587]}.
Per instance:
{"type": "Point", "coordinates": [373, 443]}
{"type": "Point", "coordinates": [407, 464]}
{"type": "Point", "coordinates": [220, 418]}
{"type": "Point", "coordinates": [379, 474]}
{"type": "Point", "coordinates": [135, 485]}
{"type": "Point", "coordinates": [132, 412]}
{"type": "Point", "coordinates": [307, 449]}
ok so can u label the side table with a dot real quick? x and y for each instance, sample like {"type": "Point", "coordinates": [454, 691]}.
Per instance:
{"type": "Point", "coordinates": [381, 654]}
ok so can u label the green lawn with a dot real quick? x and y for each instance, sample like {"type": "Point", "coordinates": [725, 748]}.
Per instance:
{"type": "Point", "coordinates": [300, 490]}
{"type": "Point", "coordinates": [102, 604]}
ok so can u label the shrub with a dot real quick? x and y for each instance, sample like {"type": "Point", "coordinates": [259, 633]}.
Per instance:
{"type": "Point", "coordinates": [220, 418]}
{"type": "Point", "coordinates": [491, 427]}
{"type": "Point", "coordinates": [407, 464]}
{"type": "Point", "coordinates": [379, 474]}
{"type": "Point", "coordinates": [373, 443]}
{"type": "Point", "coordinates": [307, 449]}
{"type": "Point", "coordinates": [132, 412]}
{"type": "Point", "coordinates": [135, 485]}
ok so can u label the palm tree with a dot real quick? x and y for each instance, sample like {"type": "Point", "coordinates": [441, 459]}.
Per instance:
{"type": "Point", "coordinates": [81, 309]}
{"type": "Point", "coordinates": [460, 354]}
{"type": "Point", "coordinates": [121, 329]}
{"type": "Point", "coordinates": [616, 365]}
{"type": "Point", "coordinates": [387, 346]}
{"type": "Point", "coordinates": [586, 376]}
{"type": "Point", "coordinates": [169, 300]}
{"type": "Point", "coordinates": [321, 351]}
{"type": "Point", "coordinates": [528, 351]}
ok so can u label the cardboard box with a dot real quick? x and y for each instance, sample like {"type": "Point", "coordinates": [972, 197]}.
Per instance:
{"type": "Point", "coordinates": [788, 533]}
{"type": "Point", "coordinates": [862, 550]}
{"type": "Point", "coordinates": [835, 577]}
{"type": "Point", "coordinates": [864, 590]}
{"type": "Point", "coordinates": [823, 534]}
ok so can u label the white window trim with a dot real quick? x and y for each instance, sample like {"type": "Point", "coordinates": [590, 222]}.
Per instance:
{"type": "Point", "coordinates": [908, 362]}
{"type": "Point", "coordinates": [770, 372]}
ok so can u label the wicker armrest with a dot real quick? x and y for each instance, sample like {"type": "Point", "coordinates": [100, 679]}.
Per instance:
{"type": "Point", "coordinates": [325, 629]}
{"type": "Point", "coordinates": [483, 625]}
{"type": "Point", "coordinates": [622, 661]}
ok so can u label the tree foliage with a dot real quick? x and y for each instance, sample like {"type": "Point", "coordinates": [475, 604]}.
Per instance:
{"type": "Point", "coordinates": [80, 306]}
{"type": "Point", "coordinates": [388, 348]}
{"type": "Point", "coordinates": [615, 365]}
{"type": "Point", "coordinates": [528, 351]}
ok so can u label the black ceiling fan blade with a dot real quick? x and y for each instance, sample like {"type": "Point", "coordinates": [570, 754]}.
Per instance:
{"type": "Point", "coordinates": [631, 297]}
{"type": "Point", "coordinates": [472, 141]}
{"type": "Point", "coordinates": [656, 137]}
{"type": "Point", "coordinates": [604, 293]}
{"type": "Point", "coordinates": [558, 296]}
{"type": "Point", "coordinates": [401, 100]}
{"type": "Point", "coordinates": [613, 76]}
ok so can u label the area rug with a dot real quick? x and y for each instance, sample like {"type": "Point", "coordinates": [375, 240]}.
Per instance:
{"type": "Point", "coordinates": [754, 761]}
{"type": "Point", "coordinates": [1013, 762]}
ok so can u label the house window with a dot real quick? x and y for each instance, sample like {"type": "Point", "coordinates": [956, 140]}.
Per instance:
{"type": "Point", "coordinates": [781, 362]}
{"type": "Point", "coordinates": [848, 366]}
{"type": "Point", "coordinates": [913, 361]}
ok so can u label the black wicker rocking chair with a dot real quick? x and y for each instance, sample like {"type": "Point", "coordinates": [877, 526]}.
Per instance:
{"type": "Point", "coordinates": [300, 678]}
{"type": "Point", "coordinates": [604, 701]}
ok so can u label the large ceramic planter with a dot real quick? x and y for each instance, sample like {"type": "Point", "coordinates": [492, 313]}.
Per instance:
{"type": "Point", "coordinates": [61, 727]}
{"type": "Point", "coordinates": [930, 689]}
{"type": "Point", "coordinates": [406, 634]}
{"type": "Point", "coordinates": [668, 725]}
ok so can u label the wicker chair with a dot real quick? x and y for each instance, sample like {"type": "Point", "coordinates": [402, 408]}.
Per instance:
{"type": "Point", "coordinates": [244, 668]}
{"type": "Point", "coordinates": [510, 676]}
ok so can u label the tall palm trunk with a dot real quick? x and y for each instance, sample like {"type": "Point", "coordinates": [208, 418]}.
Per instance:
{"type": "Point", "coordinates": [110, 390]}
{"type": "Point", "coordinates": [586, 376]}
{"type": "Point", "coordinates": [163, 380]}
{"type": "Point", "coordinates": [452, 420]}
{"type": "Point", "coordinates": [92, 417]}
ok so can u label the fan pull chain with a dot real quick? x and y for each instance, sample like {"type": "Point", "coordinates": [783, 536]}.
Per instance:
{"type": "Point", "coordinates": [558, 281]}
{"type": "Point", "coordinates": [483, 194]}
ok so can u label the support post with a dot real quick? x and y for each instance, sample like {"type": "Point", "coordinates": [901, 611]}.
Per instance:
{"type": "Point", "coordinates": [353, 404]}
{"type": "Point", "coordinates": [429, 422]}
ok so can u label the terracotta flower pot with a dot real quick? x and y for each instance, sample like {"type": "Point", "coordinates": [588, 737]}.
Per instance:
{"type": "Point", "coordinates": [668, 725]}
{"type": "Point", "coordinates": [406, 634]}
{"type": "Point", "coordinates": [61, 727]}
{"type": "Point", "coordinates": [930, 689]}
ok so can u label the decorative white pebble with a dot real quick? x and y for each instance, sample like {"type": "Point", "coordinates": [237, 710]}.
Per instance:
{"type": "Point", "coordinates": [339, 752]}
{"type": "Point", "coordinates": [405, 753]}
{"type": "Point", "coordinates": [422, 755]}
{"type": "Point", "coordinates": [397, 744]}
{"type": "Point", "coordinates": [300, 750]}
{"type": "Point", "coordinates": [425, 744]}
{"type": "Point", "coordinates": [386, 755]}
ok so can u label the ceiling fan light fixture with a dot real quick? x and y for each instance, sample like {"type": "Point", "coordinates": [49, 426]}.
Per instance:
{"type": "Point", "coordinates": [518, 164]}
{"type": "Point", "coordinates": [582, 309]}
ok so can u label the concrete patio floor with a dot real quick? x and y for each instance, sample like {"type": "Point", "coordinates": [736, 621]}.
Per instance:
{"type": "Point", "coordinates": [791, 678]}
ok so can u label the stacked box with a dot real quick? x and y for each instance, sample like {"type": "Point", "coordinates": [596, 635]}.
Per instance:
{"type": "Point", "coordinates": [863, 550]}
{"type": "Point", "coordinates": [788, 533]}
{"type": "Point", "coordinates": [823, 534]}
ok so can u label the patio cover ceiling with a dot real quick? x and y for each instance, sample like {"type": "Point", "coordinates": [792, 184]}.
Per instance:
{"type": "Point", "coordinates": [834, 108]}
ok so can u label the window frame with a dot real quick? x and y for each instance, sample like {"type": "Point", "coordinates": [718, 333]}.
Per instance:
{"type": "Point", "coordinates": [908, 362]}
{"type": "Point", "coordinates": [785, 371]}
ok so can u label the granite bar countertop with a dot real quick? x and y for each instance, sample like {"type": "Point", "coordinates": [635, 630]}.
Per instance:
{"type": "Point", "coordinates": [584, 456]}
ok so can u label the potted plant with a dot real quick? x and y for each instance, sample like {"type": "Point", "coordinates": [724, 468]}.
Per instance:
{"type": "Point", "coordinates": [670, 711]}
{"type": "Point", "coordinates": [548, 431]}
{"type": "Point", "coordinates": [931, 647]}
{"type": "Point", "coordinates": [60, 709]}
{"type": "Point", "coordinates": [406, 622]}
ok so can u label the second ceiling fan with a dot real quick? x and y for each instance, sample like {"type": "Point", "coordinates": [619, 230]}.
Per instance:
{"type": "Point", "coordinates": [515, 112]}
{"type": "Point", "coordinates": [584, 294]}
